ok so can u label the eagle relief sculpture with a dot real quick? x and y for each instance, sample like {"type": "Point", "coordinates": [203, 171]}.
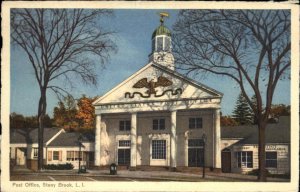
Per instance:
{"type": "Point", "coordinates": [151, 85]}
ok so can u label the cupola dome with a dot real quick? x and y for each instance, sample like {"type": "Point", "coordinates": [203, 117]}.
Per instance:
{"type": "Point", "coordinates": [162, 45]}
{"type": "Point", "coordinates": [161, 30]}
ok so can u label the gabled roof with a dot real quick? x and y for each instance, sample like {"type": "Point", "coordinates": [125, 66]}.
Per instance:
{"type": "Point", "coordinates": [30, 135]}
{"type": "Point", "coordinates": [191, 81]}
{"type": "Point", "coordinates": [70, 139]}
{"type": "Point", "coordinates": [164, 70]}
{"type": "Point", "coordinates": [275, 132]}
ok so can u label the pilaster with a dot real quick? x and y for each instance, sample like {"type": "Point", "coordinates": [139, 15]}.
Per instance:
{"type": "Point", "coordinates": [173, 158]}
{"type": "Point", "coordinates": [133, 138]}
{"type": "Point", "coordinates": [97, 140]}
{"type": "Point", "coordinates": [217, 138]}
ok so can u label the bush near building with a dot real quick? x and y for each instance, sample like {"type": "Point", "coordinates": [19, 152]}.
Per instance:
{"type": "Point", "coordinates": [67, 166]}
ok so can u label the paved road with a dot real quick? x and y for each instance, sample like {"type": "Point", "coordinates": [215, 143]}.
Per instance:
{"type": "Point", "coordinates": [125, 175]}
{"type": "Point", "coordinates": [91, 178]}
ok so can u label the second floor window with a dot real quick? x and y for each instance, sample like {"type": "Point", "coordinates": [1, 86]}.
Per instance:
{"type": "Point", "coordinates": [159, 124]}
{"type": "Point", "coordinates": [124, 125]}
{"type": "Point", "coordinates": [195, 123]}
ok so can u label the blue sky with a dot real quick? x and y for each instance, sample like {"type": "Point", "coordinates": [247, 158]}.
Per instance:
{"type": "Point", "coordinates": [134, 29]}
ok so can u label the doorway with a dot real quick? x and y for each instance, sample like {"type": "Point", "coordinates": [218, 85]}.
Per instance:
{"type": "Point", "coordinates": [124, 152]}
{"type": "Point", "coordinates": [226, 160]}
{"type": "Point", "coordinates": [123, 156]}
{"type": "Point", "coordinates": [195, 153]}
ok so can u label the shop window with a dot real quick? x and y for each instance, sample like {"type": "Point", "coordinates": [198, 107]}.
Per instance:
{"type": "Point", "coordinates": [125, 125]}
{"type": "Point", "coordinates": [70, 156]}
{"type": "Point", "coordinates": [74, 156]}
{"type": "Point", "coordinates": [244, 159]}
{"type": "Point", "coordinates": [271, 159]}
{"type": "Point", "coordinates": [195, 123]}
{"type": "Point", "coordinates": [158, 149]}
{"type": "Point", "coordinates": [159, 124]}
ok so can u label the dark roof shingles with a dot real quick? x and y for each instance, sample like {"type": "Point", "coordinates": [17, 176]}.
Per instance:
{"type": "Point", "coordinates": [31, 135]}
{"type": "Point", "coordinates": [71, 139]}
{"type": "Point", "coordinates": [275, 133]}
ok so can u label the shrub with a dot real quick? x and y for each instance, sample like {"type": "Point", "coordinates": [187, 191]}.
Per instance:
{"type": "Point", "coordinates": [66, 166]}
{"type": "Point", "coordinates": [256, 171]}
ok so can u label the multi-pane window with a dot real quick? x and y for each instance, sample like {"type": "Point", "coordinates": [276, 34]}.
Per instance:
{"type": "Point", "coordinates": [158, 124]}
{"type": "Point", "coordinates": [159, 43]}
{"type": "Point", "coordinates": [271, 159]}
{"type": "Point", "coordinates": [124, 125]}
{"type": "Point", "coordinates": [124, 152]}
{"type": "Point", "coordinates": [55, 155]}
{"type": "Point", "coordinates": [70, 156]}
{"type": "Point", "coordinates": [74, 156]}
{"type": "Point", "coordinates": [158, 149]}
{"type": "Point", "coordinates": [153, 45]}
{"type": "Point", "coordinates": [124, 143]}
{"type": "Point", "coordinates": [167, 44]}
{"type": "Point", "coordinates": [195, 123]}
{"type": "Point", "coordinates": [244, 159]}
{"type": "Point", "coordinates": [35, 152]}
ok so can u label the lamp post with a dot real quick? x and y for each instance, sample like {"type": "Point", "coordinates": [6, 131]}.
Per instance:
{"type": "Point", "coordinates": [204, 140]}
{"type": "Point", "coordinates": [79, 159]}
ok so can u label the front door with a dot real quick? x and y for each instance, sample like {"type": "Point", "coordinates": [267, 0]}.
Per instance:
{"type": "Point", "coordinates": [226, 161]}
{"type": "Point", "coordinates": [195, 153]}
{"type": "Point", "coordinates": [195, 157]}
{"type": "Point", "coordinates": [123, 156]}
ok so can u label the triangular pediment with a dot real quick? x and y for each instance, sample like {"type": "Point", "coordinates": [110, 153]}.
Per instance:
{"type": "Point", "coordinates": [154, 82]}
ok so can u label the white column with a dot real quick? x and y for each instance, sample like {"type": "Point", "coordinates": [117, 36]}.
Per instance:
{"type": "Point", "coordinates": [217, 139]}
{"type": "Point", "coordinates": [133, 138]}
{"type": "Point", "coordinates": [97, 140]}
{"type": "Point", "coordinates": [173, 139]}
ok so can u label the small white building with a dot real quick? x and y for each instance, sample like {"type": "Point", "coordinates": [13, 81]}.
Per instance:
{"type": "Point", "coordinates": [157, 117]}
{"type": "Point", "coordinates": [60, 147]}
{"type": "Point", "coordinates": [240, 147]}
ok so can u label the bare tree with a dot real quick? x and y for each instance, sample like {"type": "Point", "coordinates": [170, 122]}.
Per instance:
{"type": "Point", "coordinates": [62, 45]}
{"type": "Point", "coordinates": [252, 47]}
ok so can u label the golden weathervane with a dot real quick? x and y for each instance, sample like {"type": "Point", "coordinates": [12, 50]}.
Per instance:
{"type": "Point", "coordinates": [162, 15]}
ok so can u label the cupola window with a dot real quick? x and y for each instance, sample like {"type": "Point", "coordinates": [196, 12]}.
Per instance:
{"type": "Point", "coordinates": [160, 43]}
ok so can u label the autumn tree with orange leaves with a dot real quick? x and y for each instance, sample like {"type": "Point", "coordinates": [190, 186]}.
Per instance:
{"type": "Point", "coordinates": [86, 113]}
{"type": "Point", "coordinates": [65, 113]}
{"type": "Point", "coordinates": [75, 115]}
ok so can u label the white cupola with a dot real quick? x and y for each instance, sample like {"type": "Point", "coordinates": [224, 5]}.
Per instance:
{"type": "Point", "coordinates": [162, 45]}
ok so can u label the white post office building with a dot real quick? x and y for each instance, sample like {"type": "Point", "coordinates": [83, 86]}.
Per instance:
{"type": "Point", "coordinates": [157, 117]}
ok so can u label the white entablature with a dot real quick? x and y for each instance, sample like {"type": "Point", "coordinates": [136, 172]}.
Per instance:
{"type": "Point", "coordinates": [155, 88]}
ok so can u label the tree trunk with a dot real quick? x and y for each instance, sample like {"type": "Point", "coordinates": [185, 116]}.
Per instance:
{"type": "Point", "coordinates": [41, 116]}
{"type": "Point", "coordinates": [262, 176]}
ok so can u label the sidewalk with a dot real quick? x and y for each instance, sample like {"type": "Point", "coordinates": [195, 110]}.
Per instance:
{"type": "Point", "coordinates": [162, 175]}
